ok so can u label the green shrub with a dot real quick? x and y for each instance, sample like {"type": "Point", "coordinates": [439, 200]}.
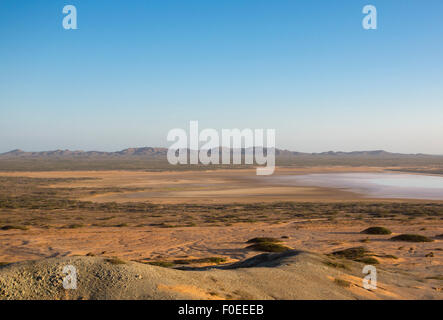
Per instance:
{"type": "Point", "coordinates": [411, 238]}
{"type": "Point", "coordinates": [376, 230]}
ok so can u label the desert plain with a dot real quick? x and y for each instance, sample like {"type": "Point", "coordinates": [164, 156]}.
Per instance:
{"type": "Point", "coordinates": [138, 234]}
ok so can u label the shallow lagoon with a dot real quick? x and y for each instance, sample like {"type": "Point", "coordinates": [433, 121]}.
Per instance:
{"type": "Point", "coordinates": [375, 185]}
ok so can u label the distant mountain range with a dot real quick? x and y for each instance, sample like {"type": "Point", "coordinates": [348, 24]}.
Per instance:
{"type": "Point", "coordinates": [150, 152]}
{"type": "Point", "coordinates": [145, 151]}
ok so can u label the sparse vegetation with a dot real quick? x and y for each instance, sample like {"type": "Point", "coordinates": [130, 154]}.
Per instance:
{"type": "Point", "coordinates": [376, 230]}
{"type": "Point", "coordinates": [411, 238]}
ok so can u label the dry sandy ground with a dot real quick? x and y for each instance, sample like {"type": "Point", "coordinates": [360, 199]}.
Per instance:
{"type": "Point", "coordinates": [301, 276]}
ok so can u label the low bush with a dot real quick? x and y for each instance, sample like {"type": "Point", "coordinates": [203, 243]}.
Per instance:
{"type": "Point", "coordinates": [411, 238]}
{"type": "Point", "coordinates": [376, 230]}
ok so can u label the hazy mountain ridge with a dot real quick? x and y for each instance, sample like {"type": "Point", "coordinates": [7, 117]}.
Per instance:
{"type": "Point", "coordinates": [155, 152]}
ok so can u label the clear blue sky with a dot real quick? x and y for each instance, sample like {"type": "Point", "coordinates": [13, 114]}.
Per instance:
{"type": "Point", "coordinates": [136, 69]}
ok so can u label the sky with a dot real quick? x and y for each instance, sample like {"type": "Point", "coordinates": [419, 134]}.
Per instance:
{"type": "Point", "coordinates": [133, 70]}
